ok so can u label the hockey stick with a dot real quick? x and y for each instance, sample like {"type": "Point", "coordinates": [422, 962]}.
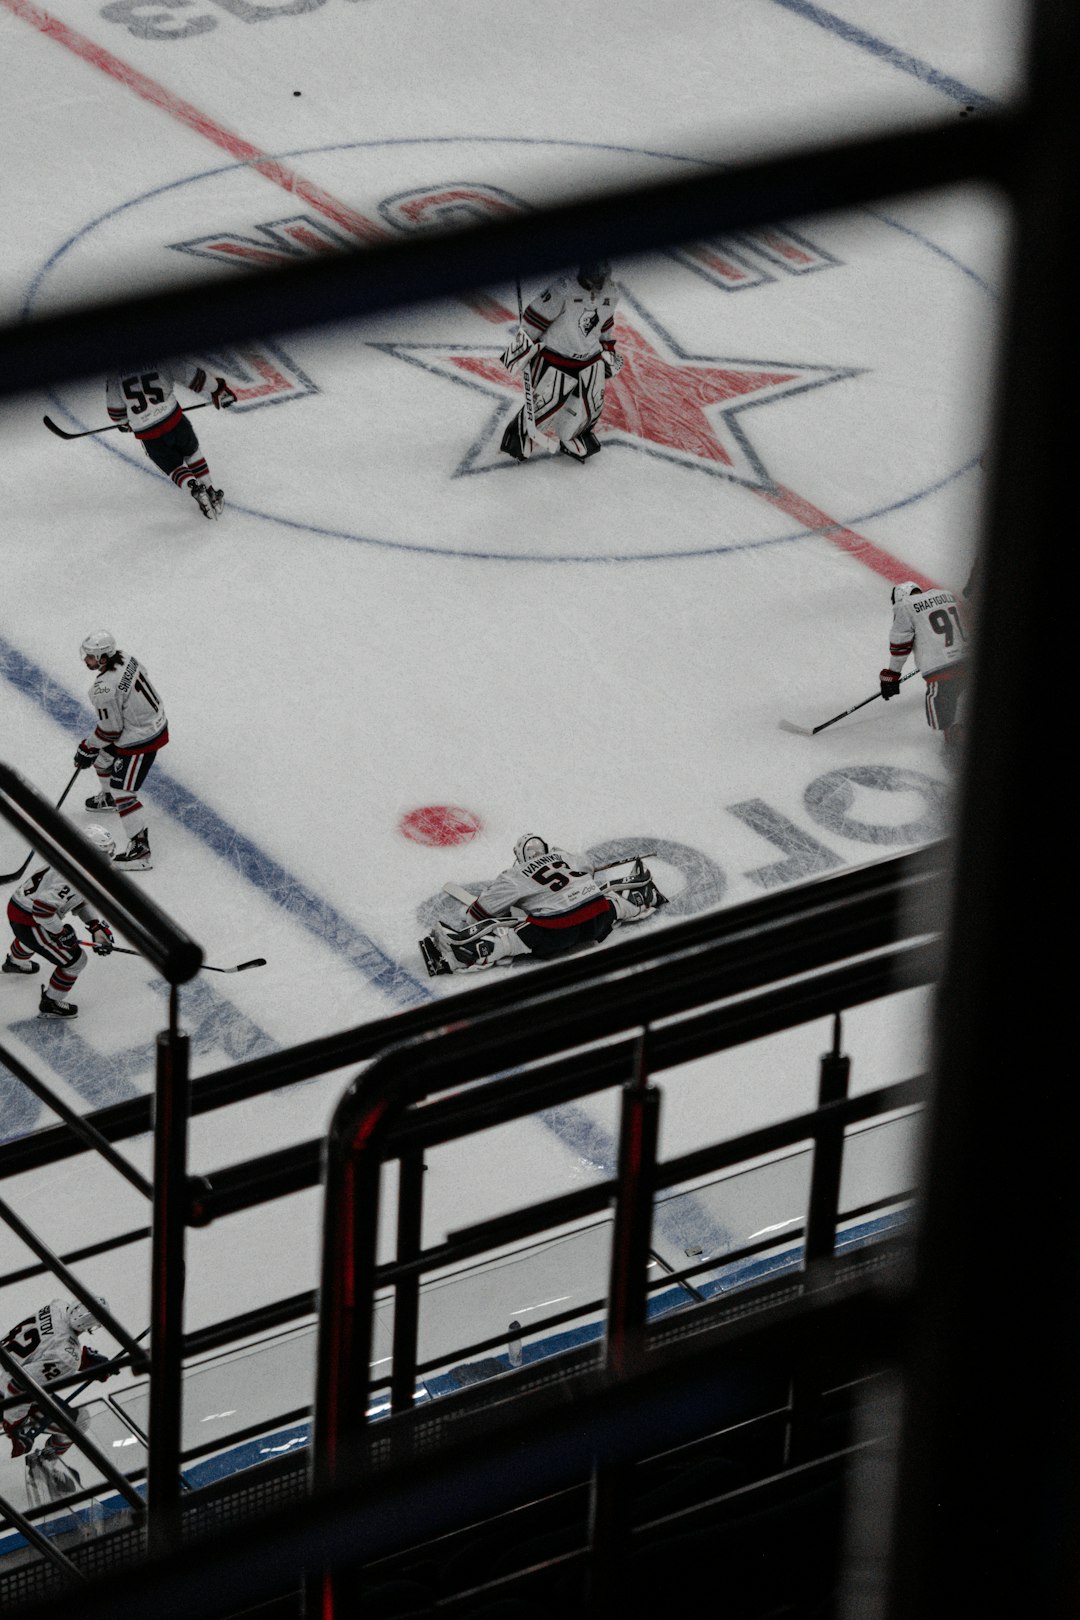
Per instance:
{"type": "Point", "coordinates": [11, 877]}
{"type": "Point", "coordinates": [86, 434]}
{"type": "Point", "coordinates": [812, 731]}
{"type": "Point", "coordinates": [123, 950]}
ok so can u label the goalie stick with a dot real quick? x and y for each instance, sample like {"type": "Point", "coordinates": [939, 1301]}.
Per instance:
{"type": "Point", "coordinates": [124, 950]}
{"type": "Point", "coordinates": [12, 877]}
{"type": "Point", "coordinates": [812, 731]}
{"type": "Point", "coordinates": [87, 432]}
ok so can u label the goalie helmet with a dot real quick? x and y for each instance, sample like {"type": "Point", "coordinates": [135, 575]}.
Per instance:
{"type": "Point", "coordinates": [594, 274]}
{"type": "Point", "coordinates": [99, 644]}
{"type": "Point", "coordinates": [83, 1320]}
{"type": "Point", "coordinates": [900, 593]}
{"type": "Point", "coordinates": [528, 847]}
{"type": "Point", "coordinates": [102, 840]}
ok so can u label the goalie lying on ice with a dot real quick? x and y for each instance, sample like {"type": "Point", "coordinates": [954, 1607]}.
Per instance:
{"type": "Point", "coordinates": [547, 903]}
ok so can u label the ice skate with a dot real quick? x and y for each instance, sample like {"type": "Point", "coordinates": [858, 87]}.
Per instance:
{"type": "Point", "coordinates": [217, 499]}
{"type": "Point", "coordinates": [136, 858]}
{"type": "Point", "coordinates": [101, 801]}
{"type": "Point", "coordinates": [11, 965]}
{"type": "Point", "coordinates": [48, 1007]}
{"type": "Point", "coordinates": [202, 498]}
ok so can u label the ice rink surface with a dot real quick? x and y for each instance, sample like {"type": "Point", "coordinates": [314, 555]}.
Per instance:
{"type": "Point", "coordinates": [390, 616]}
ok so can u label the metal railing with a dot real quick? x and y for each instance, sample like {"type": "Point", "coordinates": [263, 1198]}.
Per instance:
{"type": "Point", "coordinates": [177, 958]}
{"type": "Point", "coordinates": [958, 1352]}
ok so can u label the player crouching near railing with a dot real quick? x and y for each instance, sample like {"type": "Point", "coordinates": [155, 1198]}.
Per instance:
{"type": "Point", "coordinates": [549, 902]}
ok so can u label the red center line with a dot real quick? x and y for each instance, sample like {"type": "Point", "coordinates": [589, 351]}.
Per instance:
{"type": "Point", "coordinates": [368, 230]}
{"type": "Point", "coordinates": [349, 219]}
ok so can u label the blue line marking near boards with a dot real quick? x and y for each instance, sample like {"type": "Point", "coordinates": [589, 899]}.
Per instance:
{"type": "Point", "coordinates": [572, 1126]}
{"type": "Point", "coordinates": [903, 61]}
{"type": "Point", "coordinates": [298, 1437]}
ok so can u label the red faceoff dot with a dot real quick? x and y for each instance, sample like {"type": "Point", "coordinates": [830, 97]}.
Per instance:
{"type": "Point", "coordinates": [440, 824]}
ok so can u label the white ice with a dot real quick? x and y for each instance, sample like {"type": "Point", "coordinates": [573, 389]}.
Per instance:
{"type": "Point", "coordinates": [390, 615]}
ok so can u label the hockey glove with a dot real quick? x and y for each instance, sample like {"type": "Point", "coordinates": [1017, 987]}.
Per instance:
{"type": "Point", "coordinates": [519, 350]}
{"type": "Point", "coordinates": [613, 362]}
{"type": "Point", "coordinates": [66, 939]}
{"type": "Point", "coordinates": [85, 755]}
{"type": "Point", "coordinates": [223, 395]}
{"type": "Point", "coordinates": [92, 1359]}
{"type": "Point", "coordinates": [23, 1434]}
{"type": "Point", "coordinates": [123, 427]}
{"type": "Point", "coordinates": [890, 683]}
{"type": "Point", "coordinates": [102, 937]}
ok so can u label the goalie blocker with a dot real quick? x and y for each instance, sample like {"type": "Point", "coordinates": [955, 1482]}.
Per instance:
{"type": "Point", "coordinates": [545, 905]}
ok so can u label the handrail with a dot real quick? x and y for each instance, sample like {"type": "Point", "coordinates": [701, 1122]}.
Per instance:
{"type": "Point", "coordinates": [154, 934]}
{"type": "Point", "coordinates": [888, 889]}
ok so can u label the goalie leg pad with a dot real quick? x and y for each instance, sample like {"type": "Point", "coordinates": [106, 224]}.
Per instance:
{"type": "Point", "coordinates": [472, 949]}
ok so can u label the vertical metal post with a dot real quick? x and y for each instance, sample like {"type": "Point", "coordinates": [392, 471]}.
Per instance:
{"type": "Point", "coordinates": [171, 1108]}
{"type": "Point", "coordinates": [407, 1289]}
{"type": "Point", "coordinates": [828, 1156]}
{"type": "Point", "coordinates": [805, 1394]}
{"type": "Point", "coordinates": [611, 1505]}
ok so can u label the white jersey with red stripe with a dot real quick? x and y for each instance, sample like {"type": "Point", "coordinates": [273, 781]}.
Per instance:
{"type": "Point", "coordinates": [573, 321]}
{"type": "Point", "coordinates": [549, 885]}
{"type": "Point", "coordinates": [930, 624]}
{"type": "Point", "coordinates": [46, 1344]}
{"type": "Point", "coordinates": [46, 897]}
{"type": "Point", "coordinates": [130, 713]}
{"type": "Point", "coordinates": [146, 399]}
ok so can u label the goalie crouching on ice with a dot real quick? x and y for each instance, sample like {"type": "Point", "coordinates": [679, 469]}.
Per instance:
{"type": "Point", "coordinates": [549, 902]}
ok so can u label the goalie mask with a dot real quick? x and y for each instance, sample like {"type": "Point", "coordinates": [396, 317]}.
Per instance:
{"type": "Point", "coordinates": [528, 847]}
{"type": "Point", "coordinates": [900, 593]}
{"type": "Point", "coordinates": [98, 644]}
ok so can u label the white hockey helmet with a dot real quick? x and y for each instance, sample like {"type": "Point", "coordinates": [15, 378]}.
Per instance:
{"type": "Point", "coordinates": [98, 644]}
{"type": "Point", "coordinates": [83, 1320]}
{"type": "Point", "coordinates": [900, 593]}
{"type": "Point", "coordinates": [528, 847]}
{"type": "Point", "coordinates": [102, 840]}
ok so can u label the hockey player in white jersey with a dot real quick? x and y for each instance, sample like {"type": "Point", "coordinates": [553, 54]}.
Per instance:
{"type": "Point", "coordinates": [47, 1345]}
{"type": "Point", "coordinates": [929, 624]}
{"type": "Point", "coordinates": [36, 912]}
{"type": "Point", "coordinates": [130, 732]}
{"type": "Point", "coordinates": [566, 347]}
{"type": "Point", "coordinates": [143, 401]}
{"type": "Point", "coordinates": [547, 903]}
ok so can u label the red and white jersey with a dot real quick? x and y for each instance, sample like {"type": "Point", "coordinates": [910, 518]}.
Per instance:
{"type": "Point", "coordinates": [45, 897]}
{"type": "Point", "coordinates": [574, 321]}
{"type": "Point", "coordinates": [146, 399]}
{"type": "Point", "coordinates": [46, 1344]}
{"type": "Point", "coordinates": [931, 625]}
{"type": "Point", "coordinates": [130, 714]}
{"type": "Point", "coordinates": [547, 886]}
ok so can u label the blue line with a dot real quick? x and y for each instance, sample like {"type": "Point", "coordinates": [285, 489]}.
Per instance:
{"type": "Point", "coordinates": [890, 54]}
{"type": "Point", "coordinates": [578, 1132]}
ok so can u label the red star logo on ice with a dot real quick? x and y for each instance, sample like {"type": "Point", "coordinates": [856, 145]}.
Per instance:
{"type": "Point", "coordinates": [681, 407]}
